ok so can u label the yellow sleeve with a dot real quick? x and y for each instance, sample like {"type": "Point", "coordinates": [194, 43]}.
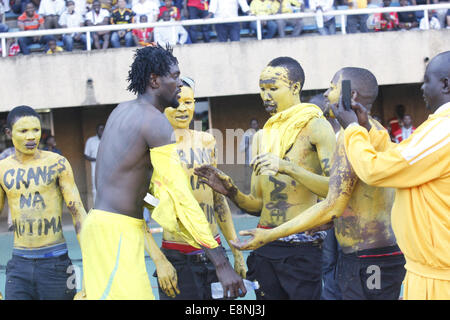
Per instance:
{"type": "Point", "coordinates": [178, 211]}
{"type": "Point", "coordinates": [379, 137]}
{"type": "Point", "coordinates": [415, 161]}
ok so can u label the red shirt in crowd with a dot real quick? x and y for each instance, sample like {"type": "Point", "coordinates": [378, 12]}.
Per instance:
{"type": "Point", "coordinates": [174, 12]}
{"type": "Point", "coordinates": [32, 23]}
{"type": "Point", "coordinates": [144, 35]}
{"type": "Point", "coordinates": [382, 24]}
{"type": "Point", "coordinates": [199, 4]}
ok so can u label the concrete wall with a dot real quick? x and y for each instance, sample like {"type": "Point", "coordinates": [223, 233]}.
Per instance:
{"type": "Point", "coordinates": [220, 69]}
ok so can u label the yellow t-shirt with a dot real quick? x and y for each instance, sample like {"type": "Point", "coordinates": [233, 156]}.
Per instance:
{"type": "Point", "coordinates": [178, 211]}
{"type": "Point", "coordinates": [267, 7]}
{"type": "Point", "coordinates": [195, 148]}
{"type": "Point", "coordinates": [57, 49]}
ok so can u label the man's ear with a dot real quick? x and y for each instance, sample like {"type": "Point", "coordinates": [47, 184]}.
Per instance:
{"type": "Point", "coordinates": [154, 81]}
{"type": "Point", "coordinates": [446, 85]}
{"type": "Point", "coordinates": [354, 94]}
{"type": "Point", "coordinates": [297, 87]}
{"type": "Point", "coordinates": [8, 132]}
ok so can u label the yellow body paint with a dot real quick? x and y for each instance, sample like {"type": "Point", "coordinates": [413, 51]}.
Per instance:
{"type": "Point", "coordinates": [181, 117]}
{"type": "Point", "coordinates": [277, 91]}
{"type": "Point", "coordinates": [334, 92]}
{"type": "Point", "coordinates": [279, 197]}
{"type": "Point", "coordinates": [366, 221]}
{"type": "Point", "coordinates": [35, 183]}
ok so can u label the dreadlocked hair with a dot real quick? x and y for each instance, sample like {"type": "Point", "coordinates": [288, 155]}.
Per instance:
{"type": "Point", "coordinates": [148, 60]}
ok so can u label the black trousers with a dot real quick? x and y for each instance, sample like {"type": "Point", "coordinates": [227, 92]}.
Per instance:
{"type": "Point", "coordinates": [287, 271]}
{"type": "Point", "coordinates": [195, 274]}
{"type": "Point", "coordinates": [378, 277]}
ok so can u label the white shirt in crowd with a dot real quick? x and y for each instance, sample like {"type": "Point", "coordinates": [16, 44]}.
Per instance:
{"type": "Point", "coordinates": [246, 145]}
{"type": "Point", "coordinates": [227, 8]}
{"type": "Point", "coordinates": [148, 8]}
{"type": "Point", "coordinates": [171, 35]}
{"type": "Point", "coordinates": [80, 7]}
{"type": "Point", "coordinates": [67, 20]}
{"type": "Point", "coordinates": [52, 7]}
{"type": "Point", "coordinates": [406, 132]}
{"type": "Point", "coordinates": [97, 18]}
{"type": "Point", "coordinates": [326, 5]}
{"type": "Point", "coordinates": [91, 149]}
{"type": "Point", "coordinates": [4, 7]}
{"type": "Point", "coordinates": [434, 23]}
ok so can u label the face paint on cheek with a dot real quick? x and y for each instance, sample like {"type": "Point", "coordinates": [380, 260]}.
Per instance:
{"type": "Point", "coordinates": [26, 133]}
{"type": "Point", "coordinates": [278, 93]}
{"type": "Point", "coordinates": [181, 116]}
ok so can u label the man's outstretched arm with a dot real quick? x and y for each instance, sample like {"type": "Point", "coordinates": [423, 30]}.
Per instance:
{"type": "Point", "coordinates": [221, 183]}
{"type": "Point", "coordinates": [342, 182]}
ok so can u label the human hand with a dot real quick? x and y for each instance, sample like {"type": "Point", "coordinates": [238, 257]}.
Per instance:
{"type": "Point", "coordinates": [121, 33]}
{"type": "Point", "coordinates": [216, 179]}
{"type": "Point", "coordinates": [167, 278]}
{"type": "Point", "coordinates": [358, 113]}
{"type": "Point", "coordinates": [232, 283]}
{"type": "Point", "coordinates": [258, 238]}
{"type": "Point", "coordinates": [239, 264]}
{"type": "Point", "coordinates": [268, 164]}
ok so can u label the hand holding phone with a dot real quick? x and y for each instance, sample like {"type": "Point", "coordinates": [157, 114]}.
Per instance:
{"type": "Point", "coordinates": [346, 94]}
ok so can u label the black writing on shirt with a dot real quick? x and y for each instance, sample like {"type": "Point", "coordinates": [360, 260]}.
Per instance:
{"type": "Point", "coordinates": [199, 156]}
{"type": "Point", "coordinates": [39, 175]}
{"type": "Point", "coordinates": [32, 227]}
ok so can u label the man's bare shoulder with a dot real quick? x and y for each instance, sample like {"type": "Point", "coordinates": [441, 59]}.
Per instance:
{"type": "Point", "coordinates": [319, 129]}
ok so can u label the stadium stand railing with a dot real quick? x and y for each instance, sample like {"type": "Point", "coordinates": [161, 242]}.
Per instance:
{"type": "Point", "coordinates": [339, 14]}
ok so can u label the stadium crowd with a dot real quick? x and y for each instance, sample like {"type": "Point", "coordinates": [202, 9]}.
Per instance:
{"type": "Point", "coordinates": [49, 14]}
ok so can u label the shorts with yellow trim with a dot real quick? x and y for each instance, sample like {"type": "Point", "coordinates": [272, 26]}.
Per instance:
{"type": "Point", "coordinates": [112, 246]}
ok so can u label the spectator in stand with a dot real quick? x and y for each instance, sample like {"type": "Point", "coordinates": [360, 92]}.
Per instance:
{"type": "Point", "coordinates": [53, 47]}
{"type": "Point", "coordinates": [30, 20]}
{"type": "Point", "coordinates": [143, 37]}
{"type": "Point", "coordinates": [264, 7]}
{"type": "Point", "coordinates": [51, 10]}
{"type": "Point", "coordinates": [406, 130]}
{"type": "Point", "coordinates": [98, 17]}
{"type": "Point", "coordinates": [447, 19]}
{"type": "Point", "coordinates": [173, 10]}
{"type": "Point", "coordinates": [386, 21]}
{"type": "Point", "coordinates": [122, 15]}
{"type": "Point", "coordinates": [171, 35]}
{"type": "Point", "coordinates": [148, 8]}
{"type": "Point", "coordinates": [407, 20]}
{"type": "Point", "coordinates": [50, 144]}
{"type": "Point", "coordinates": [419, 14]}
{"type": "Point", "coordinates": [72, 19]}
{"type": "Point", "coordinates": [396, 122]}
{"type": "Point", "coordinates": [227, 9]}
{"type": "Point", "coordinates": [197, 9]}
{"type": "Point", "coordinates": [357, 22]}
{"type": "Point", "coordinates": [327, 24]}
{"type": "Point", "coordinates": [289, 6]}
{"type": "Point", "coordinates": [19, 6]}
{"type": "Point", "coordinates": [105, 4]}
{"type": "Point", "coordinates": [80, 7]}
{"type": "Point", "coordinates": [433, 22]}
{"type": "Point", "coordinates": [3, 27]}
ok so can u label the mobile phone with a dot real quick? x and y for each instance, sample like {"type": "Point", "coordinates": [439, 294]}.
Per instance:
{"type": "Point", "coordinates": [347, 94]}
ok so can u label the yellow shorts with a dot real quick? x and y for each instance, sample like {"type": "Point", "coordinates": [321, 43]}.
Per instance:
{"type": "Point", "coordinates": [112, 246]}
{"type": "Point", "coordinates": [416, 287]}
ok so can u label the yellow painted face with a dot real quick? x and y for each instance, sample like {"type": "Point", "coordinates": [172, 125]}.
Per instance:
{"type": "Point", "coordinates": [181, 116]}
{"type": "Point", "coordinates": [277, 91]}
{"type": "Point", "coordinates": [26, 133]}
{"type": "Point", "coordinates": [333, 93]}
